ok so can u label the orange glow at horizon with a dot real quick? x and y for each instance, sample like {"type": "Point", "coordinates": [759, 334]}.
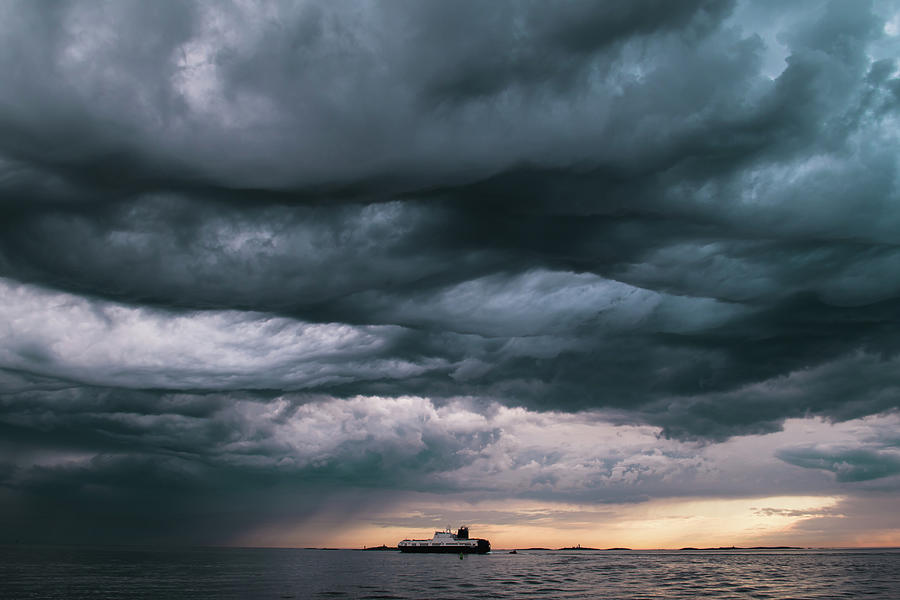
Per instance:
{"type": "Point", "coordinates": [657, 524]}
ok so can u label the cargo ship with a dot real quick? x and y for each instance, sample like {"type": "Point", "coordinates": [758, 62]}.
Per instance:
{"type": "Point", "coordinates": [448, 542]}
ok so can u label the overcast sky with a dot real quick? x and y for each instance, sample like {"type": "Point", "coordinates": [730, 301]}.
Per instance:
{"type": "Point", "coordinates": [318, 273]}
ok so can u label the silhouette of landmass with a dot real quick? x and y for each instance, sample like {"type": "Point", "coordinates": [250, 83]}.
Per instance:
{"type": "Point", "coordinates": [742, 548]}
{"type": "Point", "coordinates": [573, 548]}
{"type": "Point", "coordinates": [385, 548]}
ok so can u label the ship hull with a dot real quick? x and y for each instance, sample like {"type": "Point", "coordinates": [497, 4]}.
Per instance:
{"type": "Point", "coordinates": [483, 548]}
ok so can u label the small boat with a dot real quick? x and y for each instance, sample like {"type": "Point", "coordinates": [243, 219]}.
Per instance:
{"type": "Point", "coordinates": [513, 552]}
{"type": "Point", "coordinates": [447, 542]}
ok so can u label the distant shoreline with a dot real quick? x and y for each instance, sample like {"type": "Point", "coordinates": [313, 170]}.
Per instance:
{"type": "Point", "coordinates": [23, 544]}
{"type": "Point", "coordinates": [622, 549]}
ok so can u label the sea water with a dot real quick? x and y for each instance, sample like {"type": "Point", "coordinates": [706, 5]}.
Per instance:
{"type": "Point", "coordinates": [222, 573]}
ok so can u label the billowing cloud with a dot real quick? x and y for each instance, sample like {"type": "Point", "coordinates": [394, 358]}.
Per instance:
{"type": "Point", "coordinates": [327, 246]}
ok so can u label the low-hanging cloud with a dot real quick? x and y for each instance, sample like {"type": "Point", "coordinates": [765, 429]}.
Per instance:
{"type": "Point", "coordinates": [680, 216]}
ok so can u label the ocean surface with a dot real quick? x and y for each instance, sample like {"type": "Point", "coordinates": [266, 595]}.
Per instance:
{"type": "Point", "coordinates": [221, 573]}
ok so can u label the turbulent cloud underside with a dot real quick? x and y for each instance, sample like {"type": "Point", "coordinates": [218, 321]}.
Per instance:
{"type": "Point", "coordinates": [549, 251]}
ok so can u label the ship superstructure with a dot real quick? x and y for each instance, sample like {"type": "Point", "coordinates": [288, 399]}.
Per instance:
{"type": "Point", "coordinates": [448, 542]}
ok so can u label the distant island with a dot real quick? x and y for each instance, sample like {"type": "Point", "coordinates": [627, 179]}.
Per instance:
{"type": "Point", "coordinates": [385, 548]}
{"type": "Point", "coordinates": [748, 548]}
{"type": "Point", "coordinates": [687, 548]}
{"type": "Point", "coordinates": [580, 547]}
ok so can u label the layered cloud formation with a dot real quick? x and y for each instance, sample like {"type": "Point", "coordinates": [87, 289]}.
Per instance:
{"type": "Point", "coordinates": [313, 247]}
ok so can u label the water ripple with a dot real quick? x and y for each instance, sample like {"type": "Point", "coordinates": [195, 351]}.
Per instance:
{"type": "Point", "coordinates": [97, 573]}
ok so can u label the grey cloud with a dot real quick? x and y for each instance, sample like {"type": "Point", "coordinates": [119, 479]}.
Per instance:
{"type": "Point", "coordinates": [831, 390]}
{"type": "Point", "coordinates": [78, 439]}
{"type": "Point", "coordinates": [680, 213]}
{"type": "Point", "coordinates": [101, 464]}
{"type": "Point", "coordinates": [847, 464]}
{"type": "Point", "coordinates": [151, 459]}
{"type": "Point", "coordinates": [541, 47]}
{"type": "Point", "coordinates": [788, 512]}
{"type": "Point", "coordinates": [874, 457]}
{"type": "Point", "coordinates": [370, 441]}
{"type": "Point", "coordinates": [851, 521]}
{"type": "Point", "coordinates": [172, 250]}
{"type": "Point", "coordinates": [221, 70]}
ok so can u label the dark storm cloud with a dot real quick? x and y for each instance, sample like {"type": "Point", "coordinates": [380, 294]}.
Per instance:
{"type": "Point", "coordinates": [847, 465]}
{"type": "Point", "coordinates": [652, 206]}
{"type": "Point", "coordinates": [874, 458]}
{"type": "Point", "coordinates": [149, 462]}
{"type": "Point", "coordinates": [288, 81]}
{"type": "Point", "coordinates": [162, 466]}
{"type": "Point", "coordinates": [681, 213]}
